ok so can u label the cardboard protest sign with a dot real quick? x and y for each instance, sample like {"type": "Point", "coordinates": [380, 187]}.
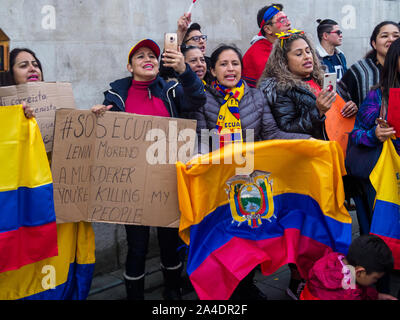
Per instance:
{"type": "Point", "coordinates": [45, 98]}
{"type": "Point", "coordinates": [118, 168]}
{"type": "Point", "coordinates": [337, 127]}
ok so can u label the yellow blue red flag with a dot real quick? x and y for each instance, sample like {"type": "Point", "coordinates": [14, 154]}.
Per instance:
{"type": "Point", "coordinates": [385, 178]}
{"type": "Point", "coordinates": [289, 209]}
{"type": "Point", "coordinates": [39, 260]}
{"type": "Point", "coordinates": [28, 230]}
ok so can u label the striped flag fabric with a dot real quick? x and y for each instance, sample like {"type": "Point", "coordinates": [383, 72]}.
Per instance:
{"type": "Point", "coordinates": [290, 209]}
{"type": "Point", "coordinates": [67, 276]}
{"type": "Point", "coordinates": [385, 178]}
{"type": "Point", "coordinates": [28, 231]}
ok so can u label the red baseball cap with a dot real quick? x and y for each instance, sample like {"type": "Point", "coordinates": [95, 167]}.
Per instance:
{"type": "Point", "coordinates": [148, 43]}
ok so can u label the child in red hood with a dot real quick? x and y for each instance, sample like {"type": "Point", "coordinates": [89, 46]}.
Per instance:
{"type": "Point", "coordinates": [350, 277]}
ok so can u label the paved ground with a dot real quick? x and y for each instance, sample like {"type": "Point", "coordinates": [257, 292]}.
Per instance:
{"type": "Point", "coordinates": [111, 287]}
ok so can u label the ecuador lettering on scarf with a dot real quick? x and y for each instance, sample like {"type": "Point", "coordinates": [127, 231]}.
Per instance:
{"type": "Point", "coordinates": [28, 231]}
{"type": "Point", "coordinates": [289, 210]}
{"type": "Point", "coordinates": [228, 124]}
{"type": "Point", "coordinates": [385, 178]}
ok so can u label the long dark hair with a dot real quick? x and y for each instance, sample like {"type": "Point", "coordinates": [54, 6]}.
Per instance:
{"type": "Point", "coordinates": [373, 54]}
{"type": "Point", "coordinates": [390, 75]}
{"type": "Point", "coordinates": [9, 81]}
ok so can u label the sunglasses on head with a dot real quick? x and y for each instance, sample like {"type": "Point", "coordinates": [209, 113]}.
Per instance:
{"type": "Point", "coordinates": [338, 32]}
{"type": "Point", "coordinates": [197, 38]}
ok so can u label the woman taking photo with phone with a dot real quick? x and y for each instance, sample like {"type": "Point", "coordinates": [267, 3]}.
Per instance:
{"type": "Point", "coordinates": [292, 82]}
{"type": "Point", "coordinates": [146, 93]}
{"type": "Point", "coordinates": [355, 85]}
{"type": "Point", "coordinates": [371, 130]}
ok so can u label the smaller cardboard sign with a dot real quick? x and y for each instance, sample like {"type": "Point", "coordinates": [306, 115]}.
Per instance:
{"type": "Point", "coordinates": [45, 98]}
{"type": "Point", "coordinates": [393, 116]}
{"type": "Point", "coordinates": [338, 127]}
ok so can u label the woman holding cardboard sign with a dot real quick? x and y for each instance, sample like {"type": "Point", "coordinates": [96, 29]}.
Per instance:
{"type": "Point", "coordinates": [146, 93]}
{"type": "Point", "coordinates": [74, 264]}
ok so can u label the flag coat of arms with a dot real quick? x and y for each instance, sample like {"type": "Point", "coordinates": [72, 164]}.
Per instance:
{"type": "Point", "coordinates": [385, 178]}
{"type": "Point", "coordinates": [28, 231]}
{"type": "Point", "coordinates": [289, 209]}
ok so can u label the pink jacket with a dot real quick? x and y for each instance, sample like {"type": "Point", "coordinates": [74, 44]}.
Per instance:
{"type": "Point", "coordinates": [330, 279]}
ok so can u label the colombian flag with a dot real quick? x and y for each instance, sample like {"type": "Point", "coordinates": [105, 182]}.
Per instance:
{"type": "Point", "coordinates": [385, 177]}
{"type": "Point", "coordinates": [28, 231]}
{"type": "Point", "coordinates": [288, 210]}
{"type": "Point", "coordinates": [67, 276]}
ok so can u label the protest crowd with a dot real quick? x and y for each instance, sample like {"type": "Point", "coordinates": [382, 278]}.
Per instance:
{"type": "Point", "coordinates": [284, 94]}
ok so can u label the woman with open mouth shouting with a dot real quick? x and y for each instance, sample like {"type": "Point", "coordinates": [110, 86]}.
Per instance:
{"type": "Point", "coordinates": [147, 93]}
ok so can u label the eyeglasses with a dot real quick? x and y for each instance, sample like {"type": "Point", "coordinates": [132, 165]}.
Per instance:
{"type": "Point", "coordinates": [338, 32]}
{"type": "Point", "coordinates": [282, 20]}
{"type": "Point", "coordinates": [197, 38]}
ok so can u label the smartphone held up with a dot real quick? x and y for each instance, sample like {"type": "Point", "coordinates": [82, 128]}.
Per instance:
{"type": "Point", "coordinates": [330, 81]}
{"type": "Point", "coordinates": [171, 41]}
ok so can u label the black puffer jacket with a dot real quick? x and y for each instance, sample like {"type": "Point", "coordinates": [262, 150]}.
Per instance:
{"type": "Point", "coordinates": [254, 114]}
{"type": "Point", "coordinates": [294, 109]}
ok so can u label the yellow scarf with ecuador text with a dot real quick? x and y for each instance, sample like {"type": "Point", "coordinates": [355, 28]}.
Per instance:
{"type": "Point", "coordinates": [229, 126]}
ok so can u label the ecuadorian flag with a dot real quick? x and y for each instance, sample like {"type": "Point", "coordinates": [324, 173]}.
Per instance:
{"type": "Point", "coordinates": [28, 230]}
{"type": "Point", "coordinates": [289, 209]}
{"type": "Point", "coordinates": [385, 178]}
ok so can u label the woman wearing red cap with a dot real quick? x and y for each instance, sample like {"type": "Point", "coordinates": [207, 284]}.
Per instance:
{"type": "Point", "coordinates": [147, 93]}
